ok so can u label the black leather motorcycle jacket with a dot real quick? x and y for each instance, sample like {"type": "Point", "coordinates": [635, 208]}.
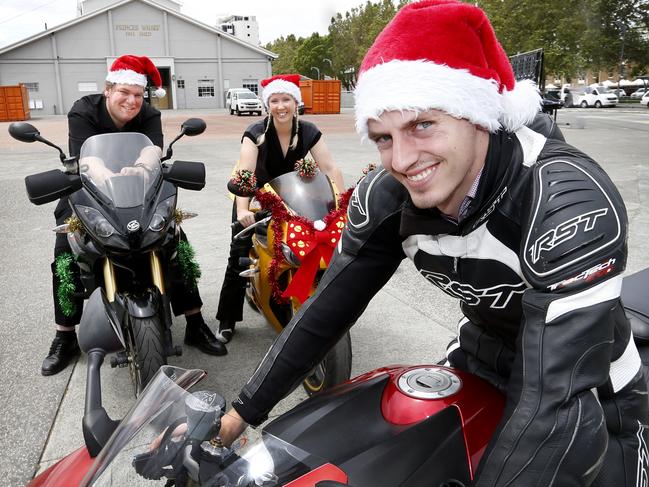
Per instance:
{"type": "Point", "coordinates": [536, 265]}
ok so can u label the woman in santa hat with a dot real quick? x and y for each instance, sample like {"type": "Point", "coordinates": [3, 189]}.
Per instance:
{"type": "Point", "coordinates": [269, 148]}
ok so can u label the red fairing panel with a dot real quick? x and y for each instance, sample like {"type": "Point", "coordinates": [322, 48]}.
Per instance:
{"type": "Point", "coordinates": [324, 472]}
{"type": "Point", "coordinates": [480, 406]}
{"type": "Point", "coordinates": [68, 472]}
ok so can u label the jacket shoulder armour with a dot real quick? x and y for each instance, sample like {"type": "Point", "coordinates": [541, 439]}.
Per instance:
{"type": "Point", "coordinates": [377, 197]}
{"type": "Point", "coordinates": [574, 225]}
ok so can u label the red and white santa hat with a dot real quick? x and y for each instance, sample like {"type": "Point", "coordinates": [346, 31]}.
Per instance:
{"type": "Point", "coordinates": [281, 83]}
{"type": "Point", "coordinates": [443, 55]}
{"type": "Point", "coordinates": [133, 70]}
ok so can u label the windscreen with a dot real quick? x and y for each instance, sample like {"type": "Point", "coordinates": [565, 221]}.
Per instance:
{"type": "Point", "coordinates": [312, 198]}
{"type": "Point", "coordinates": [121, 166]}
{"type": "Point", "coordinates": [165, 436]}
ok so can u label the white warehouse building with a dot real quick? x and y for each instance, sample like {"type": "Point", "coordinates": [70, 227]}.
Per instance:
{"type": "Point", "coordinates": [198, 62]}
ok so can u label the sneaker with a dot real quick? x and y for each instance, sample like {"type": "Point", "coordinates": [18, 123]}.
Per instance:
{"type": "Point", "coordinates": [62, 352]}
{"type": "Point", "coordinates": [226, 331]}
{"type": "Point", "coordinates": [202, 338]}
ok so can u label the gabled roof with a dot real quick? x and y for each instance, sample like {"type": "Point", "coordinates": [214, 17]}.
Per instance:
{"type": "Point", "coordinates": [151, 3]}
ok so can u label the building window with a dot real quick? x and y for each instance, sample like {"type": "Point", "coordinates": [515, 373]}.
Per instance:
{"type": "Point", "coordinates": [31, 87]}
{"type": "Point", "coordinates": [180, 83]}
{"type": "Point", "coordinates": [252, 85]}
{"type": "Point", "coordinates": [206, 88]}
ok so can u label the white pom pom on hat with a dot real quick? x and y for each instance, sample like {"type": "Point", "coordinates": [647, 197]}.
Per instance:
{"type": "Point", "coordinates": [133, 70]}
{"type": "Point", "coordinates": [443, 55]}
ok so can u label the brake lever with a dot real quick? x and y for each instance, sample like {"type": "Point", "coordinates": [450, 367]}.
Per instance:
{"type": "Point", "coordinates": [243, 232]}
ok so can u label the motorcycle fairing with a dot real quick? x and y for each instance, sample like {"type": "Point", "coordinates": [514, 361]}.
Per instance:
{"type": "Point", "coordinates": [70, 470]}
{"type": "Point", "coordinates": [368, 448]}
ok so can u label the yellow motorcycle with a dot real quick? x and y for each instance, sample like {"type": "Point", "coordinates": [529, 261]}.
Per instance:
{"type": "Point", "coordinates": [299, 222]}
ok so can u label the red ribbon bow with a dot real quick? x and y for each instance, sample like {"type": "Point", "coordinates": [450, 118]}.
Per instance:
{"type": "Point", "coordinates": [310, 245]}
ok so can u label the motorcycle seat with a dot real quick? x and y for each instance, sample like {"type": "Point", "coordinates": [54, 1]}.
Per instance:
{"type": "Point", "coordinates": [636, 305]}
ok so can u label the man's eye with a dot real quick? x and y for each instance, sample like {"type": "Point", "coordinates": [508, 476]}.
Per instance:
{"type": "Point", "coordinates": [382, 141]}
{"type": "Point", "coordinates": [423, 125]}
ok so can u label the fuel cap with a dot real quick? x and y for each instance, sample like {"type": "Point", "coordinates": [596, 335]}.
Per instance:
{"type": "Point", "coordinates": [429, 383]}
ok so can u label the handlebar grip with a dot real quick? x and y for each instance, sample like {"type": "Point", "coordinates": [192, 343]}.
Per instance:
{"type": "Point", "coordinates": [260, 215]}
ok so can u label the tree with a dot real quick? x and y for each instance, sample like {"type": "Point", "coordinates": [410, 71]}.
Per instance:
{"type": "Point", "coordinates": [286, 49]}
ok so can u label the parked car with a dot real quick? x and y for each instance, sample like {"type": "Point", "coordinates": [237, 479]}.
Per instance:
{"type": "Point", "coordinates": [242, 100]}
{"type": "Point", "coordinates": [619, 92]}
{"type": "Point", "coordinates": [595, 97]}
{"type": "Point", "coordinates": [551, 101]}
{"type": "Point", "coordinates": [639, 93]}
{"type": "Point", "coordinates": [645, 99]}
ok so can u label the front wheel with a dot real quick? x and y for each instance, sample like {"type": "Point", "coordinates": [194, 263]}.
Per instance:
{"type": "Point", "coordinates": [584, 104]}
{"type": "Point", "coordinates": [335, 369]}
{"type": "Point", "coordinates": [598, 104]}
{"type": "Point", "coordinates": [147, 350]}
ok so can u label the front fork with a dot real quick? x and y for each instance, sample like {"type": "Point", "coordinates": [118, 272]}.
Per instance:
{"type": "Point", "coordinates": [157, 277]}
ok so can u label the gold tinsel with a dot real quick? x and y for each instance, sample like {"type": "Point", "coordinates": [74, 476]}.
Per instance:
{"type": "Point", "coordinates": [74, 225]}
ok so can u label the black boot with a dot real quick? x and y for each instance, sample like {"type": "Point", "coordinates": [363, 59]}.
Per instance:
{"type": "Point", "coordinates": [200, 336]}
{"type": "Point", "coordinates": [226, 331]}
{"type": "Point", "coordinates": [63, 350]}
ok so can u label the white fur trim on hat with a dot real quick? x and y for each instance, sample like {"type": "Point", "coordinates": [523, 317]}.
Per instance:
{"type": "Point", "coordinates": [281, 86]}
{"type": "Point", "coordinates": [422, 85]}
{"type": "Point", "coordinates": [160, 92]}
{"type": "Point", "coordinates": [127, 77]}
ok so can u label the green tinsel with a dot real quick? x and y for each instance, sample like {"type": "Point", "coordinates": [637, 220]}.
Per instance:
{"type": "Point", "coordinates": [190, 268]}
{"type": "Point", "coordinates": [65, 292]}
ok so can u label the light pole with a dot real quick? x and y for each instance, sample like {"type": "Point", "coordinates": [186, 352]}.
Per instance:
{"type": "Point", "coordinates": [317, 70]}
{"type": "Point", "coordinates": [331, 65]}
{"type": "Point", "coordinates": [623, 28]}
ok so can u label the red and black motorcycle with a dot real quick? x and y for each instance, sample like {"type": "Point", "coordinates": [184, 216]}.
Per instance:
{"type": "Point", "coordinates": [396, 426]}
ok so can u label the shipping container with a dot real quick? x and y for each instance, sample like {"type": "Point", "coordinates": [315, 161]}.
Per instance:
{"type": "Point", "coordinates": [14, 103]}
{"type": "Point", "coordinates": [320, 96]}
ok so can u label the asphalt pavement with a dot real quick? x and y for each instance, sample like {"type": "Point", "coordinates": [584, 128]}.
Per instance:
{"type": "Point", "coordinates": [408, 321]}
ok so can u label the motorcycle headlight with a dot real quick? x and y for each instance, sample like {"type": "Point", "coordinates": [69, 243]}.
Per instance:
{"type": "Point", "coordinates": [158, 222]}
{"type": "Point", "coordinates": [162, 217]}
{"type": "Point", "coordinates": [101, 228]}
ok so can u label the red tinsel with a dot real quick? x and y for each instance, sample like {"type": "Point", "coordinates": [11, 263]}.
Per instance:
{"type": "Point", "coordinates": [281, 215]}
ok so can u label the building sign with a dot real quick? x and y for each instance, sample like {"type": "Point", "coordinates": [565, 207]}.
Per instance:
{"type": "Point", "coordinates": [137, 30]}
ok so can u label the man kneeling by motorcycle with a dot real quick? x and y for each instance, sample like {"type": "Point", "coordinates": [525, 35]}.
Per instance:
{"type": "Point", "coordinates": [120, 108]}
{"type": "Point", "coordinates": [493, 207]}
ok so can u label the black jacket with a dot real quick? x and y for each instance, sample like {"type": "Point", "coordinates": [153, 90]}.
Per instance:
{"type": "Point", "coordinates": [536, 264]}
{"type": "Point", "coordinates": [89, 116]}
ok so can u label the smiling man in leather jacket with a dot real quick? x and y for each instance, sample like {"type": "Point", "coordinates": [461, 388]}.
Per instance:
{"type": "Point", "coordinates": [494, 208]}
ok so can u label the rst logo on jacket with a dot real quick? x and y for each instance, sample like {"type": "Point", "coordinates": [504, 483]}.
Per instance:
{"type": "Point", "coordinates": [564, 232]}
{"type": "Point", "coordinates": [498, 296]}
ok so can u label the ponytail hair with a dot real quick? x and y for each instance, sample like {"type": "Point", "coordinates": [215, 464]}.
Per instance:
{"type": "Point", "coordinates": [294, 137]}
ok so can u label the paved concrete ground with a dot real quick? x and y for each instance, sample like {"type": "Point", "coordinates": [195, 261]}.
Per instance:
{"type": "Point", "coordinates": [42, 416]}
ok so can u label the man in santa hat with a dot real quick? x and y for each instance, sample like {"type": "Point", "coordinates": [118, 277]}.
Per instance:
{"type": "Point", "coordinates": [490, 203]}
{"type": "Point", "coordinates": [120, 108]}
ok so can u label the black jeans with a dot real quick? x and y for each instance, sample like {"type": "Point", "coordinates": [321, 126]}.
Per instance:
{"type": "Point", "coordinates": [233, 290]}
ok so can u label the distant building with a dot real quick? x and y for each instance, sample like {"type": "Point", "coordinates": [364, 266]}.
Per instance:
{"type": "Point", "coordinates": [198, 62]}
{"type": "Point", "coordinates": [241, 27]}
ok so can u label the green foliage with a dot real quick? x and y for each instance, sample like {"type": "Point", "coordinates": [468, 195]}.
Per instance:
{"type": "Point", "coordinates": [576, 35]}
{"type": "Point", "coordinates": [190, 269]}
{"type": "Point", "coordinates": [67, 287]}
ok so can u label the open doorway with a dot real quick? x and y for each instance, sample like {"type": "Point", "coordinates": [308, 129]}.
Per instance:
{"type": "Point", "coordinates": [165, 102]}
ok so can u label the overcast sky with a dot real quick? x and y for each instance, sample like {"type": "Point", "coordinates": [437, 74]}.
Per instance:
{"type": "Point", "coordinates": [23, 18]}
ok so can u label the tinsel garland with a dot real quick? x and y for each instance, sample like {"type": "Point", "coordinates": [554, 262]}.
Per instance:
{"type": "Point", "coordinates": [245, 181]}
{"type": "Point", "coordinates": [306, 167]}
{"type": "Point", "coordinates": [67, 287]}
{"type": "Point", "coordinates": [280, 215]}
{"type": "Point", "coordinates": [188, 265]}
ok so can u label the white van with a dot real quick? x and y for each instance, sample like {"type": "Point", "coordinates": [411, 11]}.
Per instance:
{"type": "Point", "coordinates": [242, 100]}
{"type": "Point", "coordinates": [598, 97]}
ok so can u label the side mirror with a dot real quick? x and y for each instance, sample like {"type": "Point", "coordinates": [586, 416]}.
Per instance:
{"type": "Point", "coordinates": [48, 186]}
{"type": "Point", "coordinates": [193, 126]}
{"type": "Point", "coordinates": [186, 175]}
{"type": "Point", "coordinates": [24, 132]}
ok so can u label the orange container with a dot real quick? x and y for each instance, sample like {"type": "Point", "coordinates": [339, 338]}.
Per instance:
{"type": "Point", "coordinates": [320, 96]}
{"type": "Point", "coordinates": [14, 103]}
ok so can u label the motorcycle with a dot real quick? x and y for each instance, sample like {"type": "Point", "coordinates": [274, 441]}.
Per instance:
{"type": "Point", "coordinates": [395, 426]}
{"type": "Point", "coordinates": [124, 235]}
{"type": "Point", "coordinates": [298, 223]}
